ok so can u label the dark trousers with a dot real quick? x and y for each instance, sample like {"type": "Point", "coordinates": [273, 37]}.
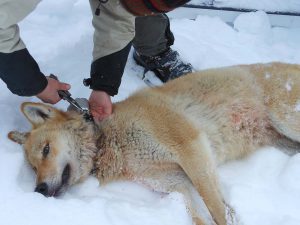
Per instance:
{"type": "Point", "coordinates": [152, 34]}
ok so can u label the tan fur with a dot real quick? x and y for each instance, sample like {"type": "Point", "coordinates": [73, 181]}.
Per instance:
{"type": "Point", "coordinates": [172, 138]}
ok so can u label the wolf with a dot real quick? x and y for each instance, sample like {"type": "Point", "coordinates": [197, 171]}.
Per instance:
{"type": "Point", "coordinates": [170, 138]}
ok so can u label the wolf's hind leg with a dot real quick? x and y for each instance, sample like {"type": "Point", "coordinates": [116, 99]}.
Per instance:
{"type": "Point", "coordinates": [282, 100]}
{"type": "Point", "coordinates": [286, 120]}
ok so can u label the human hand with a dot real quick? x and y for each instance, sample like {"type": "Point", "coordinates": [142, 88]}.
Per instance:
{"type": "Point", "coordinates": [50, 94]}
{"type": "Point", "coordinates": [100, 105]}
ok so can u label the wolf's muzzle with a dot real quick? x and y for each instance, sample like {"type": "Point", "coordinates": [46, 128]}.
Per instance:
{"type": "Point", "coordinates": [42, 188]}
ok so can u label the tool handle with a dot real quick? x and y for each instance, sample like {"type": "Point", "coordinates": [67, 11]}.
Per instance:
{"type": "Point", "coordinates": [62, 94]}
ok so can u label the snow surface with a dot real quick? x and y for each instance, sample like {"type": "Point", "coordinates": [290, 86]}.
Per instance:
{"type": "Point", "coordinates": [264, 189]}
{"type": "Point", "coordinates": [268, 5]}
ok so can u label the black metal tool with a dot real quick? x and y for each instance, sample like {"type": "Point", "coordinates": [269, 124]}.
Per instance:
{"type": "Point", "coordinates": [66, 95]}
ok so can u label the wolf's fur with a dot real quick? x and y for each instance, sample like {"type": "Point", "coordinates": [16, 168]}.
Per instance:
{"type": "Point", "coordinates": [171, 137]}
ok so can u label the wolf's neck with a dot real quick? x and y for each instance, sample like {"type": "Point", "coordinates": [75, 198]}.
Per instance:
{"type": "Point", "coordinates": [85, 144]}
{"type": "Point", "coordinates": [108, 166]}
{"type": "Point", "coordinates": [109, 161]}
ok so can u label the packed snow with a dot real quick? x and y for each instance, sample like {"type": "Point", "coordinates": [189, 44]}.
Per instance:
{"type": "Point", "coordinates": [263, 188]}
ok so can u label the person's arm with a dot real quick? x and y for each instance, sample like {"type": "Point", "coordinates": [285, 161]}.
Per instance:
{"type": "Point", "coordinates": [106, 72]}
{"type": "Point", "coordinates": [18, 69]}
{"type": "Point", "coordinates": [21, 73]}
{"type": "Point", "coordinates": [114, 31]}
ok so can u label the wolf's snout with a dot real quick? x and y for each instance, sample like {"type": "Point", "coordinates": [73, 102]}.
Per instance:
{"type": "Point", "coordinates": [42, 188]}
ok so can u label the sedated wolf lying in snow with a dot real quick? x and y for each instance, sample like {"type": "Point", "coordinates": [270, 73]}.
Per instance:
{"type": "Point", "coordinates": [170, 138]}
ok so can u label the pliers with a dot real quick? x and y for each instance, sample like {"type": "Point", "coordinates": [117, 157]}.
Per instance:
{"type": "Point", "coordinates": [66, 95]}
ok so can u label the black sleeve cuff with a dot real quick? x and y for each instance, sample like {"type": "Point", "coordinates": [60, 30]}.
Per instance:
{"type": "Point", "coordinates": [21, 73]}
{"type": "Point", "coordinates": [106, 72]}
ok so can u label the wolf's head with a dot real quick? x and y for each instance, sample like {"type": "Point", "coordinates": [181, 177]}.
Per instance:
{"type": "Point", "coordinates": [60, 147]}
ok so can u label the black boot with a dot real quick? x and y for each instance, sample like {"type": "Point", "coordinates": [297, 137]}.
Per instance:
{"type": "Point", "coordinates": [166, 65]}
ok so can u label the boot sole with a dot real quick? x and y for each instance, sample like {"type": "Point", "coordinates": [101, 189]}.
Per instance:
{"type": "Point", "coordinates": [155, 71]}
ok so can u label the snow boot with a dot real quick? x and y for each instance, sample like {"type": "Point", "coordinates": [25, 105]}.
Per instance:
{"type": "Point", "coordinates": [166, 65]}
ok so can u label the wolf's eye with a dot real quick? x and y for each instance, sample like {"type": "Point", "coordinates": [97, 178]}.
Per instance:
{"type": "Point", "coordinates": [46, 150]}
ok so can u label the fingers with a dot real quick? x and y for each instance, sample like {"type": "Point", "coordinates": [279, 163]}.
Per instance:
{"type": "Point", "coordinates": [100, 111]}
{"type": "Point", "coordinates": [59, 85]}
{"type": "Point", "coordinates": [52, 100]}
{"type": "Point", "coordinates": [100, 105]}
{"type": "Point", "coordinates": [98, 115]}
{"type": "Point", "coordinates": [50, 93]}
{"type": "Point", "coordinates": [63, 86]}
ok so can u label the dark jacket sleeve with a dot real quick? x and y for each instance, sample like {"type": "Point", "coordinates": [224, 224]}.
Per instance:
{"type": "Point", "coordinates": [21, 73]}
{"type": "Point", "coordinates": [106, 72]}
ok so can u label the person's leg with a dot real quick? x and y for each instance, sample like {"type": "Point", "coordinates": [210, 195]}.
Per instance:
{"type": "Point", "coordinates": [153, 35]}
{"type": "Point", "coordinates": [152, 42]}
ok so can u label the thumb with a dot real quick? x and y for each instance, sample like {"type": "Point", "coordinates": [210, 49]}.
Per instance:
{"type": "Point", "coordinates": [64, 86]}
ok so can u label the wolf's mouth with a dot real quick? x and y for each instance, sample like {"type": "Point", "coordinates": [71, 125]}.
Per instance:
{"type": "Point", "coordinates": [65, 177]}
{"type": "Point", "coordinates": [64, 181]}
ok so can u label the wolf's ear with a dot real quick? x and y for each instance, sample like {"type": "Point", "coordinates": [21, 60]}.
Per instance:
{"type": "Point", "coordinates": [38, 113]}
{"type": "Point", "coordinates": [18, 137]}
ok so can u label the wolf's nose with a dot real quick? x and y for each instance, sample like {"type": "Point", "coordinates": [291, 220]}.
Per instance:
{"type": "Point", "coordinates": [42, 188]}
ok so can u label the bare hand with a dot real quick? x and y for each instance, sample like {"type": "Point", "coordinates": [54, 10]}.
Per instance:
{"type": "Point", "coordinates": [50, 94]}
{"type": "Point", "coordinates": [100, 105]}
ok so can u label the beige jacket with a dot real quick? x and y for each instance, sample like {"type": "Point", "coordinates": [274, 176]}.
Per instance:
{"type": "Point", "coordinates": [114, 28]}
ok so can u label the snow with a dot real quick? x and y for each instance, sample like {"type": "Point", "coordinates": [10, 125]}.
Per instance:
{"type": "Point", "coordinates": [267, 75]}
{"type": "Point", "coordinates": [297, 107]}
{"type": "Point", "coordinates": [256, 23]}
{"type": "Point", "coordinates": [288, 85]}
{"type": "Point", "coordinates": [263, 189]}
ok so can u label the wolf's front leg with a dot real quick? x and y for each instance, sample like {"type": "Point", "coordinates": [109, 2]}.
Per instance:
{"type": "Point", "coordinates": [177, 181]}
{"type": "Point", "coordinates": [199, 165]}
